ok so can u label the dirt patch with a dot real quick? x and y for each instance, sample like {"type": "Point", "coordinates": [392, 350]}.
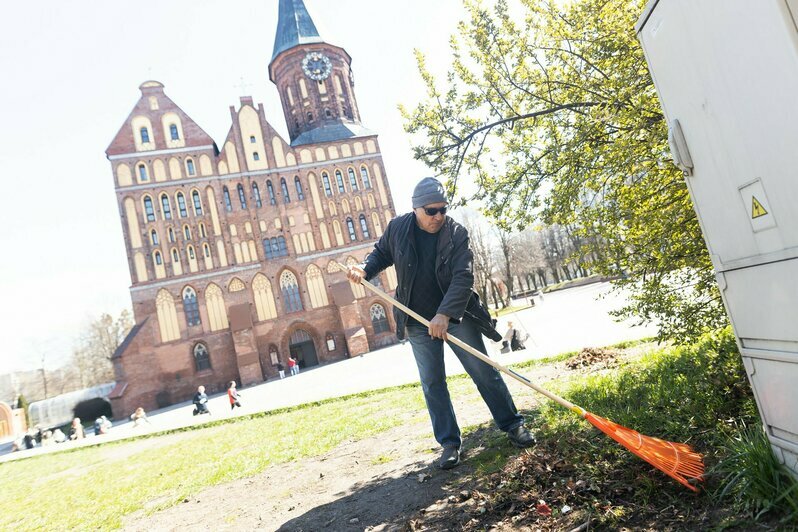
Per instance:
{"type": "Point", "coordinates": [371, 484]}
{"type": "Point", "coordinates": [384, 483]}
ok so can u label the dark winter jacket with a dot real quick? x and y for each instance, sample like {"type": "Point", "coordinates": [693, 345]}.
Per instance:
{"type": "Point", "coordinates": [200, 399]}
{"type": "Point", "coordinates": [453, 270]}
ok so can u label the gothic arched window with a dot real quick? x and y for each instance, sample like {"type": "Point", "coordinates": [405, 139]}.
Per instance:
{"type": "Point", "coordinates": [148, 209]}
{"type": "Point", "coordinates": [191, 307]}
{"type": "Point", "coordinates": [145, 135]}
{"type": "Point", "coordinates": [228, 206]}
{"type": "Point", "coordinates": [364, 175]}
{"type": "Point", "coordinates": [181, 205]}
{"type": "Point", "coordinates": [379, 319]}
{"type": "Point", "coordinates": [187, 232]}
{"type": "Point", "coordinates": [202, 359]}
{"type": "Point", "coordinates": [352, 179]}
{"type": "Point", "coordinates": [298, 185]}
{"type": "Point", "coordinates": [190, 169]}
{"type": "Point", "coordinates": [158, 258]}
{"type": "Point", "coordinates": [364, 227]}
{"type": "Point", "coordinates": [325, 178]}
{"type": "Point", "coordinates": [143, 173]}
{"type": "Point", "coordinates": [256, 194]}
{"type": "Point", "coordinates": [173, 132]}
{"type": "Point", "coordinates": [171, 234]}
{"type": "Point", "coordinates": [290, 292]}
{"type": "Point", "coordinates": [197, 203]}
{"type": "Point", "coordinates": [242, 198]}
{"type": "Point", "coordinates": [340, 180]}
{"type": "Point", "coordinates": [350, 225]}
{"type": "Point", "coordinates": [284, 188]}
{"type": "Point", "coordinates": [270, 189]}
{"type": "Point", "coordinates": [167, 208]}
{"type": "Point", "coordinates": [154, 237]}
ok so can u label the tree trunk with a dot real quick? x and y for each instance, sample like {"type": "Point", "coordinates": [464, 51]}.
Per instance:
{"type": "Point", "coordinates": [567, 273]}
{"type": "Point", "coordinates": [493, 293]}
{"type": "Point", "coordinates": [542, 276]}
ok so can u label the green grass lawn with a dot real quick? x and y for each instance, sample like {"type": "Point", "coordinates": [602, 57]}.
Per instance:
{"type": "Point", "coordinates": [682, 394]}
{"type": "Point", "coordinates": [97, 486]}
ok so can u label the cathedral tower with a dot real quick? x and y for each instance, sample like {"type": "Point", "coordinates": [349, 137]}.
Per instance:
{"type": "Point", "coordinates": [314, 79]}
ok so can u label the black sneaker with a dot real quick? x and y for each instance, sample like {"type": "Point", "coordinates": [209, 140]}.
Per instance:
{"type": "Point", "coordinates": [520, 437]}
{"type": "Point", "coordinates": [450, 458]}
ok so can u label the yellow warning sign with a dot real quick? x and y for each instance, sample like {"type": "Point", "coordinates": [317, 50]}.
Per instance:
{"type": "Point", "coordinates": [757, 209]}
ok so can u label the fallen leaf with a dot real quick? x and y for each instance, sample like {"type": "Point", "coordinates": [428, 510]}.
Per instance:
{"type": "Point", "coordinates": [543, 508]}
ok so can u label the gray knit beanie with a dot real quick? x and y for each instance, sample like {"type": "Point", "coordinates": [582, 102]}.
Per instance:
{"type": "Point", "coordinates": [429, 190]}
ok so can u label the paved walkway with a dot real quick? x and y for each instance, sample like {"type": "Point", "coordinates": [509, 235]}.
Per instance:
{"type": "Point", "coordinates": [567, 320]}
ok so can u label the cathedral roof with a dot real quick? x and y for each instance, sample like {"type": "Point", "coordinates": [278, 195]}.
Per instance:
{"type": "Point", "coordinates": [294, 27]}
{"type": "Point", "coordinates": [153, 104]}
{"type": "Point", "coordinates": [331, 132]}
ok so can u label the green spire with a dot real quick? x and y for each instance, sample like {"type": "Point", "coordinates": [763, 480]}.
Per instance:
{"type": "Point", "coordinates": [294, 27]}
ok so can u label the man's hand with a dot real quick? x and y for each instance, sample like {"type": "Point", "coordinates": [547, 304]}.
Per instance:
{"type": "Point", "coordinates": [438, 326]}
{"type": "Point", "coordinates": [356, 274]}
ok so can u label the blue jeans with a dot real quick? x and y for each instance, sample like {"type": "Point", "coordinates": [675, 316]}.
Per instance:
{"type": "Point", "coordinates": [428, 352]}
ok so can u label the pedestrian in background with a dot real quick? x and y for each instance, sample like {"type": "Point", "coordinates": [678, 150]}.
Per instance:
{"type": "Point", "coordinates": [233, 395]}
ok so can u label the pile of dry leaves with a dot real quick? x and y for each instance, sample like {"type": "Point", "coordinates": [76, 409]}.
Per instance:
{"type": "Point", "coordinates": [594, 356]}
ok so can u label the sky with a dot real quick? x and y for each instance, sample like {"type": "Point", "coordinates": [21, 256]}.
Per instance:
{"type": "Point", "coordinates": [70, 75]}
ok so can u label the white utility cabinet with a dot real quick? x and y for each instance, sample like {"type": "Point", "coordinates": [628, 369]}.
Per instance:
{"type": "Point", "coordinates": [726, 72]}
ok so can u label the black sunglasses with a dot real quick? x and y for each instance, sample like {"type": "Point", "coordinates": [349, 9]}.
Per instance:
{"type": "Point", "coordinates": [432, 211]}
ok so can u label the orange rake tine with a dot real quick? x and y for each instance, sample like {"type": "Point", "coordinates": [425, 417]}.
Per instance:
{"type": "Point", "coordinates": [677, 460]}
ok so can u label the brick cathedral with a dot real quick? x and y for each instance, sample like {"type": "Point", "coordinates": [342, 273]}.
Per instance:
{"type": "Point", "coordinates": [232, 251]}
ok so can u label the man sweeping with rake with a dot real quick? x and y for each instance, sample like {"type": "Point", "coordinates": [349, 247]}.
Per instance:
{"type": "Point", "coordinates": [445, 259]}
{"type": "Point", "coordinates": [435, 279]}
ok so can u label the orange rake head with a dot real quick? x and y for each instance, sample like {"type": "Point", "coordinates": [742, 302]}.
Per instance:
{"type": "Point", "coordinates": [677, 460]}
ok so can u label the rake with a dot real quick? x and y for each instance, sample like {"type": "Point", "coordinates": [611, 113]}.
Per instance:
{"type": "Point", "coordinates": [677, 460]}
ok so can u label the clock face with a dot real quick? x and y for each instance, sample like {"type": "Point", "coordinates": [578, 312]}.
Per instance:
{"type": "Point", "coordinates": [316, 66]}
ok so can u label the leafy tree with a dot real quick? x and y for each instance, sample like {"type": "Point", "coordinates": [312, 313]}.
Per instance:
{"type": "Point", "coordinates": [549, 108]}
{"type": "Point", "coordinates": [92, 356]}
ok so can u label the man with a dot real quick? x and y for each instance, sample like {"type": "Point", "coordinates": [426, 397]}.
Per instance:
{"type": "Point", "coordinates": [434, 270]}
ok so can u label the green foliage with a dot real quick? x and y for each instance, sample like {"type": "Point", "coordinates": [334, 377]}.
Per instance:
{"type": "Point", "coordinates": [697, 394]}
{"type": "Point", "coordinates": [675, 393]}
{"type": "Point", "coordinates": [754, 479]}
{"type": "Point", "coordinates": [550, 109]}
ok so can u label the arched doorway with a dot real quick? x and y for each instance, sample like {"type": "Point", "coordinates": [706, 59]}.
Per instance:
{"type": "Point", "coordinates": [6, 421]}
{"type": "Point", "coordinates": [303, 349]}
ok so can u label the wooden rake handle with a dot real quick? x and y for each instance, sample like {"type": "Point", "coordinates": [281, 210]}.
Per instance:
{"type": "Point", "coordinates": [456, 341]}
